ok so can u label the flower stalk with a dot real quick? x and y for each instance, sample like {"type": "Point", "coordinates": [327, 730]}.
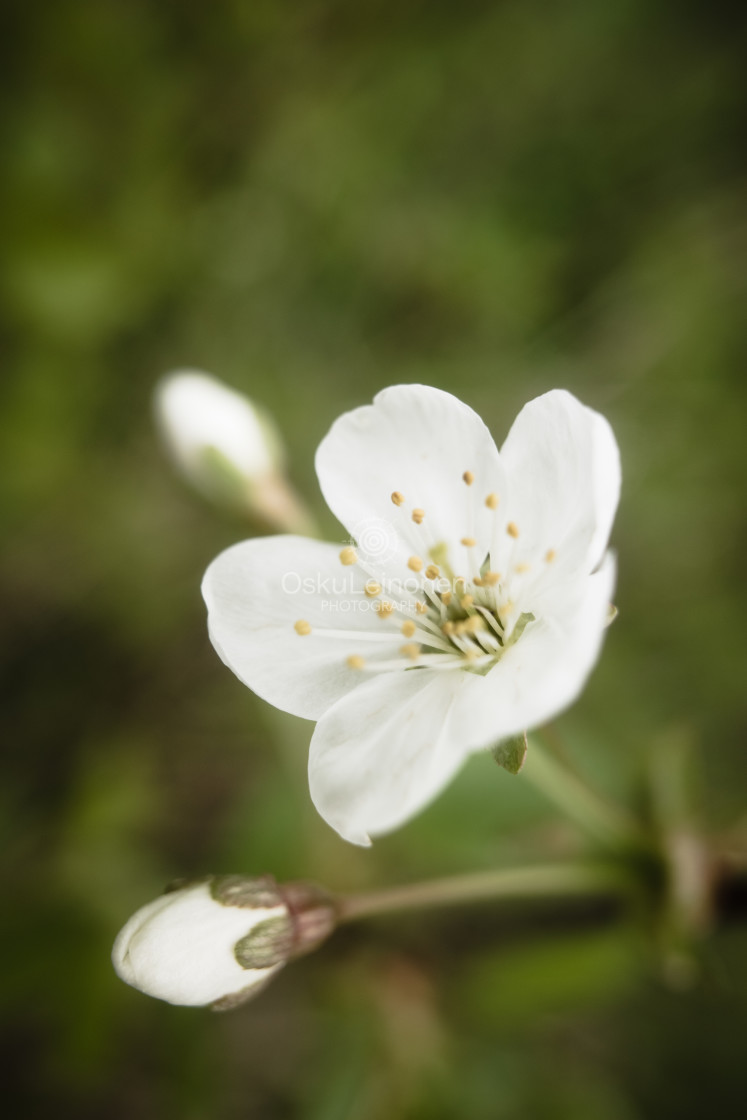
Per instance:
{"type": "Point", "coordinates": [545, 881]}
{"type": "Point", "coordinates": [606, 823]}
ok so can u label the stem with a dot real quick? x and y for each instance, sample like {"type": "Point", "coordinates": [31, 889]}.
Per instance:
{"type": "Point", "coordinates": [548, 881]}
{"type": "Point", "coordinates": [607, 823]}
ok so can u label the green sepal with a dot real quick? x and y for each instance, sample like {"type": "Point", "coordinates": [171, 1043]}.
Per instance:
{"type": "Point", "coordinates": [510, 753]}
{"type": "Point", "coordinates": [270, 943]}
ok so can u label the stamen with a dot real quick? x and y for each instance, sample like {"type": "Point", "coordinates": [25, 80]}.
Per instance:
{"type": "Point", "coordinates": [468, 477]}
{"type": "Point", "coordinates": [512, 529]}
{"type": "Point", "coordinates": [372, 588]}
{"type": "Point", "coordinates": [398, 498]}
{"type": "Point", "coordinates": [302, 627]}
{"type": "Point", "coordinates": [522, 568]}
{"type": "Point", "coordinates": [383, 608]}
{"type": "Point", "coordinates": [491, 578]}
{"type": "Point", "coordinates": [460, 585]}
{"type": "Point", "coordinates": [448, 627]}
{"type": "Point", "coordinates": [415, 564]}
{"type": "Point", "coordinates": [492, 501]}
{"type": "Point", "coordinates": [468, 542]}
{"type": "Point", "coordinates": [421, 608]}
{"type": "Point", "coordinates": [466, 601]}
{"type": "Point", "coordinates": [446, 598]}
{"type": "Point", "coordinates": [432, 571]}
{"type": "Point", "coordinates": [418, 515]}
{"type": "Point", "coordinates": [408, 628]}
{"type": "Point", "coordinates": [411, 650]}
{"type": "Point", "coordinates": [356, 662]}
{"type": "Point", "coordinates": [348, 556]}
{"type": "Point", "coordinates": [549, 555]}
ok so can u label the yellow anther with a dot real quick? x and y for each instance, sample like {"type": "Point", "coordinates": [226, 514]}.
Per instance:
{"type": "Point", "coordinates": [418, 515]}
{"type": "Point", "coordinates": [460, 627]}
{"type": "Point", "coordinates": [466, 601]}
{"type": "Point", "coordinates": [446, 598]}
{"type": "Point", "coordinates": [408, 628]}
{"type": "Point", "coordinates": [522, 568]}
{"type": "Point", "coordinates": [549, 555]}
{"type": "Point", "coordinates": [468, 477]}
{"type": "Point", "coordinates": [469, 542]}
{"type": "Point", "coordinates": [512, 529]}
{"type": "Point", "coordinates": [398, 498]}
{"type": "Point", "coordinates": [432, 571]}
{"type": "Point", "coordinates": [448, 627]}
{"type": "Point", "coordinates": [492, 501]}
{"type": "Point", "coordinates": [355, 662]}
{"type": "Point", "coordinates": [492, 578]}
{"type": "Point", "coordinates": [372, 588]}
{"type": "Point", "coordinates": [475, 623]}
{"type": "Point", "coordinates": [414, 563]}
{"type": "Point", "coordinates": [460, 585]}
{"type": "Point", "coordinates": [478, 581]}
{"type": "Point", "coordinates": [348, 556]}
{"type": "Point", "coordinates": [421, 608]}
{"type": "Point", "coordinates": [302, 627]}
{"type": "Point", "coordinates": [508, 607]}
{"type": "Point", "coordinates": [411, 650]}
{"type": "Point", "coordinates": [383, 608]}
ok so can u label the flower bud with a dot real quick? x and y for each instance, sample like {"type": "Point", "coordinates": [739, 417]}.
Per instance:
{"type": "Point", "coordinates": [227, 448]}
{"type": "Point", "coordinates": [218, 941]}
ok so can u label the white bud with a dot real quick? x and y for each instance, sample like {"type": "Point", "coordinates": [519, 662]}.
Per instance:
{"type": "Point", "coordinates": [220, 940]}
{"type": "Point", "coordinates": [227, 447]}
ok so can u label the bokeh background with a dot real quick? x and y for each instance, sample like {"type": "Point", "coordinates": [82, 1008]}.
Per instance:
{"type": "Point", "coordinates": [314, 200]}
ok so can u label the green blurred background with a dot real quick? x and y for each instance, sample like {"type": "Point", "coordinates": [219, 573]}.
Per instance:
{"type": "Point", "coordinates": [313, 200]}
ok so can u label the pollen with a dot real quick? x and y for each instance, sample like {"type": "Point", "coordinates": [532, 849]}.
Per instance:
{"type": "Point", "coordinates": [468, 478]}
{"type": "Point", "coordinates": [432, 571]}
{"type": "Point", "coordinates": [383, 608]}
{"type": "Point", "coordinates": [469, 542]}
{"type": "Point", "coordinates": [522, 568]}
{"type": "Point", "coordinates": [372, 588]}
{"type": "Point", "coordinates": [348, 556]}
{"type": "Point", "coordinates": [478, 581]}
{"type": "Point", "coordinates": [418, 515]}
{"type": "Point", "coordinates": [398, 498]}
{"type": "Point", "coordinates": [414, 563]}
{"type": "Point", "coordinates": [549, 555]}
{"type": "Point", "coordinates": [512, 529]}
{"type": "Point", "coordinates": [446, 598]}
{"type": "Point", "coordinates": [408, 628]}
{"type": "Point", "coordinates": [448, 627]}
{"type": "Point", "coordinates": [421, 608]}
{"type": "Point", "coordinates": [355, 661]}
{"type": "Point", "coordinates": [492, 501]}
{"type": "Point", "coordinates": [466, 601]}
{"type": "Point", "coordinates": [492, 578]}
{"type": "Point", "coordinates": [302, 627]}
{"type": "Point", "coordinates": [411, 650]}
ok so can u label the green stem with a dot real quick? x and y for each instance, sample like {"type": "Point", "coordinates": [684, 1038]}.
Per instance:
{"type": "Point", "coordinates": [548, 881]}
{"type": "Point", "coordinates": [607, 823]}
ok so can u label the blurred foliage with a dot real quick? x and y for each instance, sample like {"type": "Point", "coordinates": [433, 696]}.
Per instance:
{"type": "Point", "coordinates": [313, 200]}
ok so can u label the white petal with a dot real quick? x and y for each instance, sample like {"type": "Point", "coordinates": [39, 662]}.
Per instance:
{"type": "Point", "coordinates": [180, 948]}
{"type": "Point", "coordinates": [417, 441]}
{"type": "Point", "coordinates": [563, 466]}
{"type": "Point", "coordinates": [381, 754]}
{"type": "Point", "coordinates": [257, 590]}
{"type": "Point", "coordinates": [546, 669]}
{"type": "Point", "coordinates": [196, 412]}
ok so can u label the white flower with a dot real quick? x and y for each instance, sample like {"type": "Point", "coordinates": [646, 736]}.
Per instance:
{"type": "Point", "coordinates": [475, 611]}
{"type": "Point", "coordinates": [220, 940]}
{"type": "Point", "coordinates": [227, 447]}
